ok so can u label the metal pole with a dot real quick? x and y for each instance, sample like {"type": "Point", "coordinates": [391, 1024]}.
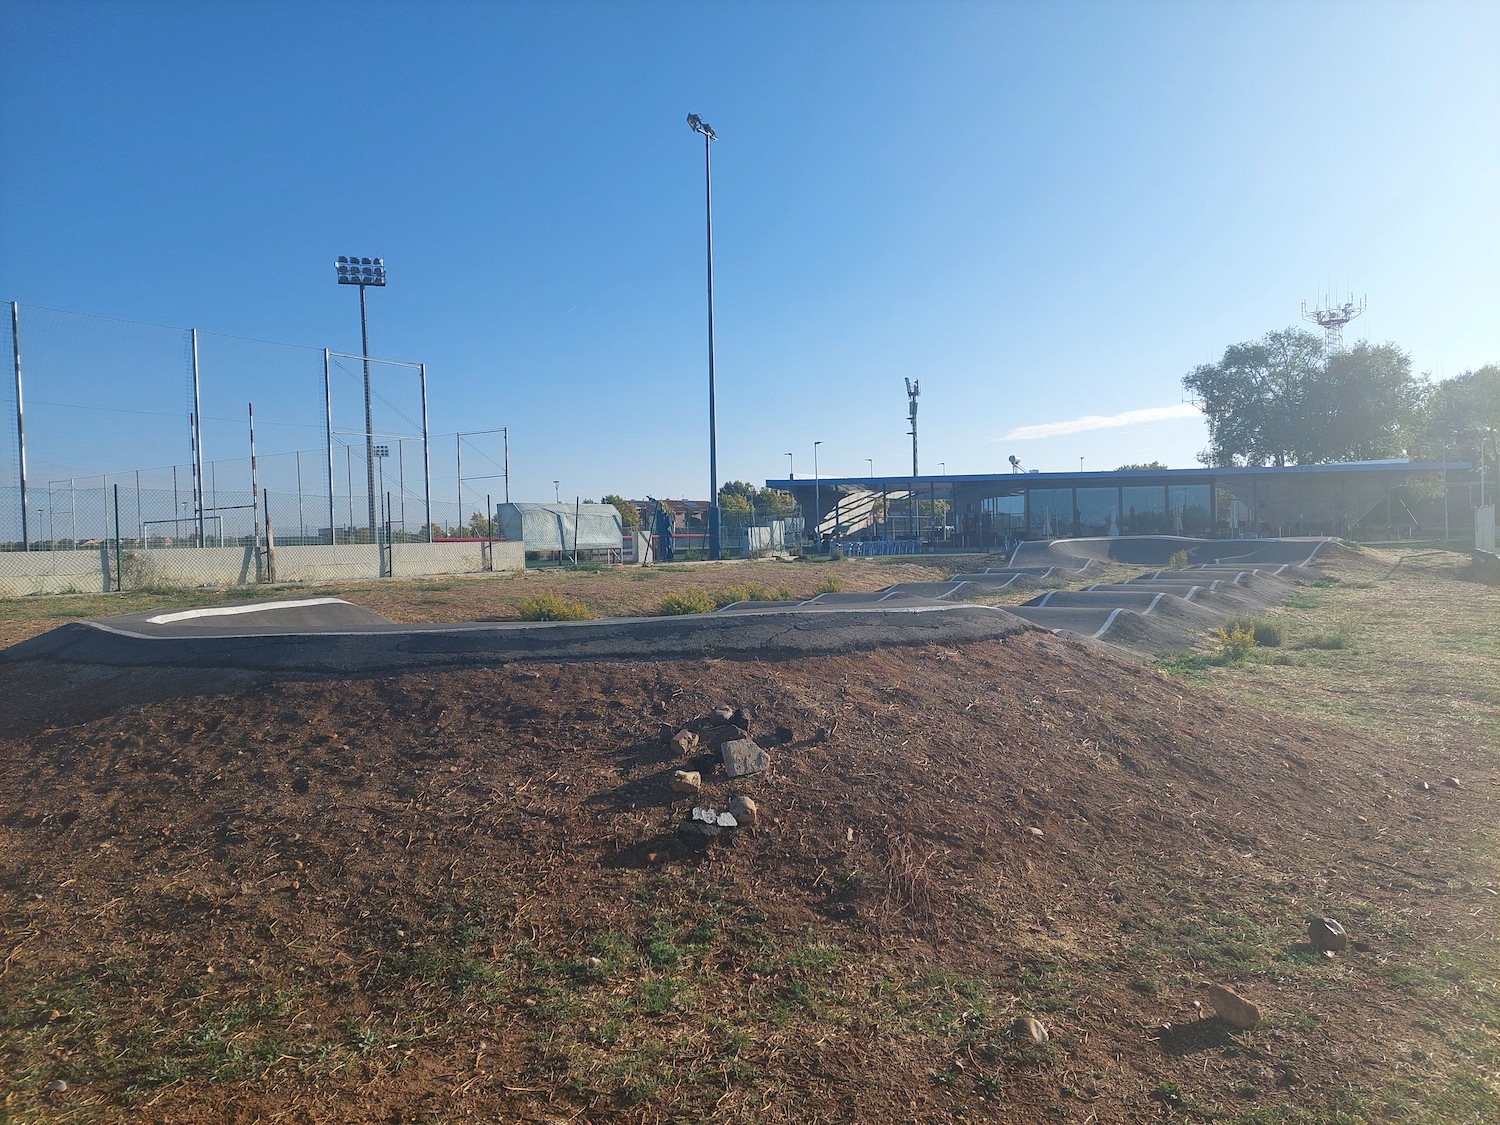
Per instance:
{"type": "Point", "coordinates": [73, 497]}
{"type": "Point", "coordinates": [198, 435]}
{"type": "Point", "coordinates": [176, 503]}
{"type": "Point", "coordinates": [817, 501]}
{"type": "Point", "coordinates": [426, 455]}
{"type": "Point", "coordinates": [364, 337]}
{"type": "Point", "coordinates": [379, 539]}
{"type": "Point", "coordinates": [193, 472]}
{"type": "Point", "coordinates": [401, 478]}
{"type": "Point", "coordinates": [213, 477]}
{"type": "Point", "coordinates": [505, 430]}
{"type": "Point", "coordinates": [333, 537]}
{"type": "Point", "coordinates": [1445, 494]}
{"type": "Point", "coordinates": [489, 528]}
{"type": "Point", "coordinates": [301, 522]}
{"type": "Point", "coordinates": [458, 445]}
{"type": "Point", "coordinates": [119, 569]}
{"type": "Point", "coordinates": [140, 523]}
{"type": "Point", "coordinates": [714, 545]}
{"type": "Point", "coordinates": [15, 346]}
{"type": "Point", "coordinates": [254, 489]}
{"type": "Point", "coordinates": [349, 484]}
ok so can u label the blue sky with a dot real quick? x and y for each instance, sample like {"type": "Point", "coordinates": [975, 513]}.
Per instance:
{"type": "Point", "coordinates": [1044, 212]}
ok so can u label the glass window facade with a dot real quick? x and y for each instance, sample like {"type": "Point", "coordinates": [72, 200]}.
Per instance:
{"type": "Point", "coordinates": [1189, 509]}
{"type": "Point", "coordinates": [1143, 511]}
{"type": "Point", "coordinates": [1007, 513]}
{"type": "Point", "coordinates": [1051, 509]}
{"type": "Point", "coordinates": [1098, 511]}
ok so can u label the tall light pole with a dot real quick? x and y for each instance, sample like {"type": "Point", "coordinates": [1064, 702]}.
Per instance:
{"type": "Point", "coordinates": [912, 391]}
{"type": "Point", "coordinates": [791, 473]}
{"type": "Point", "coordinates": [870, 461]}
{"type": "Point", "coordinates": [556, 493]}
{"type": "Point", "coordinates": [698, 125]}
{"type": "Point", "coordinates": [363, 272]}
{"type": "Point", "coordinates": [817, 498]}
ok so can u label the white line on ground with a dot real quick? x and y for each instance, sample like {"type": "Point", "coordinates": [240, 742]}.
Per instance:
{"type": "Point", "coordinates": [235, 610]}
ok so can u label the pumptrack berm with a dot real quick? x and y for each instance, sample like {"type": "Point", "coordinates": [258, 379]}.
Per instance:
{"type": "Point", "coordinates": [327, 635]}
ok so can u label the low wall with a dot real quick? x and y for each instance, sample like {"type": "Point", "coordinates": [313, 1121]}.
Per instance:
{"type": "Point", "coordinates": [52, 572]}
{"type": "Point", "coordinates": [93, 571]}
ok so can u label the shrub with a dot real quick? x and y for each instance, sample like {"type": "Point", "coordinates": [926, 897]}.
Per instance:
{"type": "Point", "coordinates": [829, 585]}
{"type": "Point", "coordinates": [1235, 641]}
{"type": "Point", "coordinates": [1325, 641]}
{"type": "Point", "coordinates": [692, 600]}
{"type": "Point", "coordinates": [750, 592]}
{"type": "Point", "coordinates": [1267, 631]}
{"type": "Point", "coordinates": [554, 607]}
{"type": "Point", "coordinates": [1178, 561]}
{"type": "Point", "coordinates": [836, 555]}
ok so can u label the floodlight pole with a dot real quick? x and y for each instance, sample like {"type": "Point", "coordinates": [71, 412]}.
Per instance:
{"type": "Point", "coordinates": [15, 345]}
{"type": "Point", "coordinates": [197, 438]}
{"type": "Point", "coordinates": [364, 340]}
{"type": "Point", "coordinates": [333, 535]}
{"type": "Point", "coordinates": [714, 544]}
{"type": "Point", "coordinates": [817, 500]}
{"type": "Point", "coordinates": [426, 455]}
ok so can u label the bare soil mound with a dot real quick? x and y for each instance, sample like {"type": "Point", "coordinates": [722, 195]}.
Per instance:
{"type": "Point", "coordinates": [457, 895]}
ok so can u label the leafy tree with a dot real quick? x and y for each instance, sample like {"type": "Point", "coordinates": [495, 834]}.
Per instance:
{"type": "Point", "coordinates": [1460, 413]}
{"type": "Point", "coordinates": [744, 499]}
{"type": "Point", "coordinates": [479, 527]}
{"type": "Point", "coordinates": [1141, 465]}
{"type": "Point", "coordinates": [629, 515]}
{"type": "Point", "coordinates": [1279, 400]}
{"type": "Point", "coordinates": [774, 502]}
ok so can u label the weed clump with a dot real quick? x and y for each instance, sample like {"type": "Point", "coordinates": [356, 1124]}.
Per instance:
{"type": "Point", "coordinates": [691, 600]}
{"type": "Point", "coordinates": [1325, 641]}
{"type": "Point", "coordinates": [1178, 561]}
{"type": "Point", "coordinates": [554, 607]}
{"type": "Point", "coordinates": [829, 585]}
{"type": "Point", "coordinates": [751, 592]}
{"type": "Point", "coordinates": [1267, 631]}
{"type": "Point", "coordinates": [1235, 642]}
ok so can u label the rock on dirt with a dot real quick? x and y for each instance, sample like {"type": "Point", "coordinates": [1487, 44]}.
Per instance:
{"type": "Point", "coordinates": [716, 735]}
{"type": "Point", "coordinates": [688, 782]}
{"type": "Point", "coordinates": [1326, 935]}
{"type": "Point", "coordinates": [743, 758]}
{"type": "Point", "coordinates": [685, 742]}
{"type": "Point", "coordinates": [1233, 1007]}
{"type": "Point", "coordinates": [1453, 783]}
{"type": "Point", "coordinates": [744, 810]}
{"type": "Point", "coordinates": [1029, 1028]}
{"type": "Point", "coordinates": [724, 713]}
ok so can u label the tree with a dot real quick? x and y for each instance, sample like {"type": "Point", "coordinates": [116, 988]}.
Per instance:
{"type": "Point", "coordinates": [1460, 413]}
{"type": "Point", "coordinates": [1279, 400]}
{"type": "Point", "coordinates": [1141, 465]}
{"type": "Point", "coordinates": [479, 527]}
{"type": "Point", "coordinates": [630, 516]}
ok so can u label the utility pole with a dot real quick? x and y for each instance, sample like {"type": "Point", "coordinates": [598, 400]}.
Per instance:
{"type": "Point", "coordinates": [15, 344]}
{"type": "Point", "coordinates": [912, 391]}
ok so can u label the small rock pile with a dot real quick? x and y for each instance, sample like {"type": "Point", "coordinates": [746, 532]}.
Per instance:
{"type": "Point", "coordinates": [721, 738]}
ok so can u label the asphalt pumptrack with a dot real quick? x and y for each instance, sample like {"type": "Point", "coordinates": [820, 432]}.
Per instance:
{"type": "Point", "coordinates": [329, 636]}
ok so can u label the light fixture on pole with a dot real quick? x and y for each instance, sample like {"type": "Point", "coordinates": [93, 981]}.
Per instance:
{"type": "Point", "coordinates": [791, 473]}
{"type": "Point", "coordinates": [556, 495]}
{"type": "Point", "coordinates": [698, 125]}
{"type": "Point", "coordinates": [363, 272]}
{"type": "Point", "coordinates": [871, 462]}
{"type": "Point", "coordinates": [817, 498]}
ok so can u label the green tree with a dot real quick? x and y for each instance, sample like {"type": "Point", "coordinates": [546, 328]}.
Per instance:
{"type": "Point", "coordinates": [1280, 401]}
{"type": "Point", "coordinates": [737, 498]}
{"type": "Point", "coordinates": [1460, 413]}
{"type": "Point", "coordinates": [630, 516]}
{"type": "Point", "coordinates": [479, 527]}
{"type": "Point", "coordinates": [1141, 465]}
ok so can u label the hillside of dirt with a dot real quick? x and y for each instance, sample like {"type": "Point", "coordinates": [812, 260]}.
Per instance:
{"type": "Point", "coordinates": [457, 896]}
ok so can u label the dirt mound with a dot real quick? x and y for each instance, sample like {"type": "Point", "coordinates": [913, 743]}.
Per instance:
{"type": "Point", "coordinates": [448, 895]}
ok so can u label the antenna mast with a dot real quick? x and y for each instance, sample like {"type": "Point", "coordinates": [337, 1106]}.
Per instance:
{"type": "Point", "coordinates": [912, 391]}
{"type": "Point", "coordinates": [1331, 319]}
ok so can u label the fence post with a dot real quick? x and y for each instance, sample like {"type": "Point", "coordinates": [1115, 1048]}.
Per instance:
{"type": "Point", "coordinates": [119, 568]}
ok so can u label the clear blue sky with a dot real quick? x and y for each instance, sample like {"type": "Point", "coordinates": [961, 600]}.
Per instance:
{"type": "Point", "coordinates": [1043, 211]}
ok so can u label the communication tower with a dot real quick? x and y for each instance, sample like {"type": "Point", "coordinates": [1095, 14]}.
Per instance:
{"type": "Point", "coordinates": [912, 391]}
{"type": "Point", "coordinates": [1331, 319]}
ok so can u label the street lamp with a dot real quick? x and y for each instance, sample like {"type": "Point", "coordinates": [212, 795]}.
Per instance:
{"type": "Point", "coordinates": [871, 462]}
{"type": "Point", "coordinates": [943, 467]}
{"type": "Point", "coordinates": [817, 498]}
{"type": "Point", "coordinates": [556, 495]}
{"type": "Point", "coordinates": [363, 272]}
{"type": "Point", "coordinates": [790, 472]}
{"type": "Point", "coordinates": [698, 125]}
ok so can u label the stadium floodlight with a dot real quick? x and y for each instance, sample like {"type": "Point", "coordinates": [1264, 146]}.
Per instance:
{"type": "Point", "coordinates": [360, 271]}
{"type": "Point", "coordinates": [698, 125]}
{"type": "Point", "coordinates": [364, 272]}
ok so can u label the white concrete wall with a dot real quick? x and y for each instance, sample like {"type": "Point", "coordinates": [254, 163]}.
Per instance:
{"type": "Point", "coordinates": [93, 571]}
{"type": "Point", "coordinates": [51, 572]}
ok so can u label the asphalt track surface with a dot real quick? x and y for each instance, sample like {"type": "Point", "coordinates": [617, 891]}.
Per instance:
{"type": "Point", "coordinates": [326, 635]}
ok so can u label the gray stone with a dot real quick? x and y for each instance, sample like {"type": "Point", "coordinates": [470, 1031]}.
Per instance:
{"type": "Point", "coordinates": [1453, 783]}
{"type": "Point", "coordinates": [715, 736]}
{"type": "Point", "coordinates": [725, 712]}
{"type": "Point", "coordinates": [1029, 1028]}
{"type": "Point", "coordinates": [742, 758]}
{"type": "Point", "coordinates": [1326, 935]}
{"type": "Point", "coordinates": [685, 742]}
{"type": "Point", "coordinates": [744, 810]}
{"type": "Point", "coordinates": [58, 1086]}
{"type": "Point", "coordinates": [688, 782]}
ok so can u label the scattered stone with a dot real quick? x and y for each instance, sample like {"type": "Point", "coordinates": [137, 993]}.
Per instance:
{"type": "Point", "coordinates": [699, 833]}
{"type": "Point", "coordinates": [742, 758]}
{"type": "Point", "coordinates": [725, 712]}
{"type": "Point", "coordinates": [744, 810]}
{"type": "Point", "coordinates": [740, 717]}
{"type": "Point", "coordinates": [685, 742]}
{"type": "Point", "coordinates": [1361, 946]}
{"type": "Point", "coordinates": [687, 781]}
{"type": "Point", "coordinates": [1453, 783]}
{"type": "Point", "coordinates": [1029, 1028]}
{"type": "Point", "coordinates": [1035, 831]}
{"type": "Point", "coordinates": [1326, 935]}
{"type": "Point", "coordinates": [1233, 1007]}
{"type": "Point", "coordinates": [716, 736]}
{"type": "Point", "coordinates": [1424, 787]}
{"type": "Point", "coordinates": [58, 1086]}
